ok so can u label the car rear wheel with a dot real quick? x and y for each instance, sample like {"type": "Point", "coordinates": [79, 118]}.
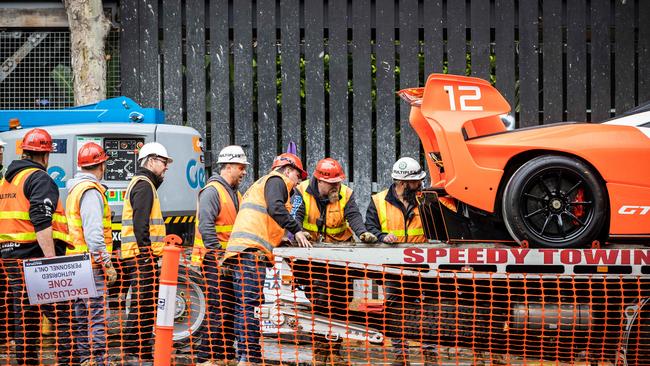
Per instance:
{"type": "Point", "coordinates": [555, 201]}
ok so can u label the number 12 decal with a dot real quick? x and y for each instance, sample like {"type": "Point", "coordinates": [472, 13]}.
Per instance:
{"type": "Point", "coordinates": [474, 94]}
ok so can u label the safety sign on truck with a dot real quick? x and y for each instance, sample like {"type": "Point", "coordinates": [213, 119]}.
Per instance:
{"type": "Point", "coordinates": [58, 279]}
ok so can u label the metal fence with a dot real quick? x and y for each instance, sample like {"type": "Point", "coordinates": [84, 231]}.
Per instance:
{"type": "Point", "coordinates": [35, 71]}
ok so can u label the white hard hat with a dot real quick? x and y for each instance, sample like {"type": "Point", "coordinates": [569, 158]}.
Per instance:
{"type": "Point", "coordinates": [232, 154]}
{"type": "Point", "coordinates": [2, 143]}
{"type": "Point", "coordinates": [407, 169]}
{"type": "Point", "coordinates": [153, 148]}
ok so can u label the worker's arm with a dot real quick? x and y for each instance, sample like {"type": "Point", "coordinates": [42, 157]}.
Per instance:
{"type": "Point", "coordinates": [372, 221]}
{"type": "Point", "coordinates": [353, 216]}
{"type": "Point", "coordinates": [141, 202]}
{"type": "Point", "coordinates": [43, 196]}
{"type": "Point", "coordinates": [92, 217]}
{"type": "Point", "coordinates": [45, 241]}
{"type": "Point", "coordinates": [209, 209]}
{"type": "Point", "coordinates": [276, 196]}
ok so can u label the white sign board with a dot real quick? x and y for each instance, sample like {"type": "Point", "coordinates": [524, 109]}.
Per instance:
{"type": "Point", "coordinates": [59, 278]}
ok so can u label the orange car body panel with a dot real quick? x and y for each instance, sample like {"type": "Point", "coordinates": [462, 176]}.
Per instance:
{"type": "Point", "coordinates": [475, 148]}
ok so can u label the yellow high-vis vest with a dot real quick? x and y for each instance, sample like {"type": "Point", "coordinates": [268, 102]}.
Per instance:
{"type": "Point", "coordinates": [73, 214]}
{"type": "Point", "coordinates": [156, 223]}
{"type": "Point", "coordinates": [336, 226]}
{"type": "Point", "coordinates": [222, 225]}
{"type": "Point", "coordinates": [392, 221]}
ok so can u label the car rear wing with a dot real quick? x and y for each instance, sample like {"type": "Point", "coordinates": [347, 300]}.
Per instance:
{"type": "Point", "coordinates": [447, 112]}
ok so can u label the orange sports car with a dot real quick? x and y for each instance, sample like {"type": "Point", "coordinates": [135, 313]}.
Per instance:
{"type": "Point", "coordinates": [558, 185]}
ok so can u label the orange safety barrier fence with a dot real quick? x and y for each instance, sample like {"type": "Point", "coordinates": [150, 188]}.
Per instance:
{"type": "Point", "coordinates": [311, 309]}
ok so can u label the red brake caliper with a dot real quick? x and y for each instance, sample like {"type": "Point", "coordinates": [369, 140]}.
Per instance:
{"type": "Point", "coordinates": [579, 210]}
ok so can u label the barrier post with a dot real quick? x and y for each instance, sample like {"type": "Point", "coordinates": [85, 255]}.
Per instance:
{"type": "Point", "coordinates": [164, 332]}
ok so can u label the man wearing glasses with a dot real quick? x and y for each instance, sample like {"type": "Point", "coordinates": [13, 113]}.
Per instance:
{"type": "Point", "coordinates": [143, 230]}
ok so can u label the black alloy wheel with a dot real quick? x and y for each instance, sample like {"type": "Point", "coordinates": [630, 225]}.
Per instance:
{"type": "Point", "coordinates": [555, 201]}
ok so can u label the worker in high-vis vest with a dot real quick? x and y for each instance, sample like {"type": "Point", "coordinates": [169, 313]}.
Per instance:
{"type": "Point", "coordinates": [143, 231]}
{"type": "Point", "coordinates": [33, 225]}
{"type": "Point", "coordinates": [89, 223]}
{"type": "Point", "coordinates": [393, 215]}
{"type": "Point", "coordinates": [329, 211]}
{"type": "Point", "coordinates": [260, 226]}
{"type": "Point", "coordinates": [218, 203]}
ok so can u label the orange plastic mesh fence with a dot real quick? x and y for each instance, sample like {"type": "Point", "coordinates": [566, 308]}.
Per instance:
{"type": "Point", "coordinates": [324, 312]}
{"type": "Point", "coordinates": [114, 327]}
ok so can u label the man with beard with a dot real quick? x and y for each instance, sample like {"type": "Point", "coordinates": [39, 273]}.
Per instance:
{"type": "Point", "coordinates": [329, 213]}
{"type": "Point", "coordinates": [393, 216]}
{"type": "Point", "coordinates": [143, 231]}
{"type": "Point", "coordinates": [218, 205]}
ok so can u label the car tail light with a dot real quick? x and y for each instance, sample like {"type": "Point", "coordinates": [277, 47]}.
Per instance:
{"type": "Point", "coordinates": [413, 96]}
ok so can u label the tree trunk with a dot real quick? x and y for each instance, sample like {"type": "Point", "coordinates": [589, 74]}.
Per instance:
{"type": "Point", "coordinates": [88, 30]}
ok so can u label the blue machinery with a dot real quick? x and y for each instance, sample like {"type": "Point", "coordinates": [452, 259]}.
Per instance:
{"type": "Point", "coordinates": [120, 109]}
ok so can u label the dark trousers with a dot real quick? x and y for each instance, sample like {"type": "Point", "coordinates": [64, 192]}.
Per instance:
{"type": "Point", "coordinates": [27, 322]}
{"type": "Point", "coordinates": [218, 333]}
{"type": "Point", "coordinates": [249, 273]}
{"type": "Point", "coordinates": [89, 324]}
{"type": "Point", "coordinates": [398, 294]}
{"type": "Point", "coordinates": [140, 274]}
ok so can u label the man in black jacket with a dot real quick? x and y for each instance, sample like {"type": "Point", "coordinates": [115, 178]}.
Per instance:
{"type": "Point", "coordinates": [143, 230]}
{"type": "Point", "coordinates": [34, 227]}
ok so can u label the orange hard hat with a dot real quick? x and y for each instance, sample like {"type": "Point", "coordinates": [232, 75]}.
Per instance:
{"type": "Point", "coordinates": [289, 159]}
{"type": "Point", "coordinates": [91, 154]}
{"type": "Point", "coordinates": [329, 170]}
{"type": "Point", "coordinates": [37, 139]}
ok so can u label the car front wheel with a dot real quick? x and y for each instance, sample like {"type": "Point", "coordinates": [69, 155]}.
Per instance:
{"type": "Point", "coordinates": [555, 201]}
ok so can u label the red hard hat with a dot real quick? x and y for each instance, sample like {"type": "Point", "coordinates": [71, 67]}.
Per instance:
{"type": "Point", "coordinates": [329, 170]}
{"type": "Point", "coordinates": [289, 159]}
{"type": "Point", "coordinates": [37, 139]}
{"type": "Point", "coordinates": [91, 154]}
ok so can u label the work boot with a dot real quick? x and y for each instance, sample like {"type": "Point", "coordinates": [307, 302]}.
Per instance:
{"type": "Point", "coordinates": [335, 357]}
{"type": "Point", "coordinates": [320, 354]}
{"type": "Point", "coordinates": [431, 357]}
{"type": "Point", "coordinates": [401, 360]}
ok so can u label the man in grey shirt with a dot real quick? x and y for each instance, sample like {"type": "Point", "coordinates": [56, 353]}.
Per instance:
{"type": "Point", "coordinates": [89, 225]}
{"type": "Point", "coordinates": [218, 204]}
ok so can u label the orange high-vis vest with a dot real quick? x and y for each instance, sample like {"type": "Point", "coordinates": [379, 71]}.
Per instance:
{"type": "Point", "coordinates": [254, 227]}
{"type": "Point", "coordinates": [393, 222]}
{"type": "Point", "coordinates": [336, 226]}
{"type": "Point", "coordinates": [157, 230]}
{"type": "Point", "coordinates": [15, 225]}
{"type": "Point", "coordinates": [222, 224]}
{"type": "Point", "coordinates": [73, 214]}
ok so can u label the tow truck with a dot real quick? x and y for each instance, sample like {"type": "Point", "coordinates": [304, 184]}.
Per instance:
{"type": "Point", "coordinates": [121, 127]}
{"type": "Point", "coordinates": [555, 283]}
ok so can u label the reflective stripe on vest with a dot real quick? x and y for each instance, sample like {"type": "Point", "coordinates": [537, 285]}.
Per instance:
{"type": "Point", "coordinates": [73, 214]}
{"type": "Point", "coordinates": [15, 223]}
{"type": "Point", "coordinates": [157, 230]}
{"type": "Point", "coordinates": [223, 223]}
{"type": "Point", "coordinates": [392, 221]}
{"type": "Point", "coordinates": [336, 226]}
{"type": "Point", "coordinates": [254, 227]}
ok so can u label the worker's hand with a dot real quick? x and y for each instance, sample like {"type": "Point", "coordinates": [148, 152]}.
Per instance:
{"type": "Point", "coordinates": [111, 274]}
{"type": "Point", "coordinates": [368, 237]}
{"type": "Point", "coordinates": [390, 238]}
{"type": "Point", "coordinates": [302, 238]}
